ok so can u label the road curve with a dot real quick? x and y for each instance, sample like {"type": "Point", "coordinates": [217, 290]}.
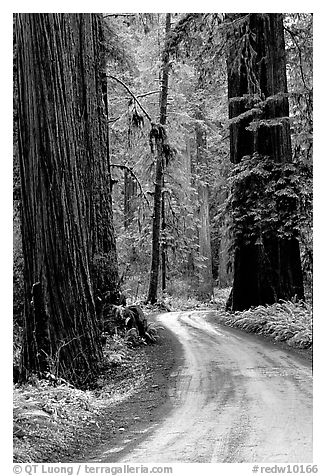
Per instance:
{"type": "Point", "coordinates": [236, 399]}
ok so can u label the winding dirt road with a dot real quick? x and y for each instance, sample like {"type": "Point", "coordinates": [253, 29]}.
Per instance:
{"type": "Point", "coordinates": [236, 399]}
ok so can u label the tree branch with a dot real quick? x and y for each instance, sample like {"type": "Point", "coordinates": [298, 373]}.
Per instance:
{"type": "Point", "coordinates": [147, 94]}
{"type": "Point", "coordinates": [131, 94]}
{"type": "Point", "coordinates": [125, 167]}
{"type": "Point", "coordinates": [113, 119]}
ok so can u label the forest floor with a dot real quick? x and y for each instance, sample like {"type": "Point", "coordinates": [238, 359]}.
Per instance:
{"type": "Point", "coordinates": [63, 424]}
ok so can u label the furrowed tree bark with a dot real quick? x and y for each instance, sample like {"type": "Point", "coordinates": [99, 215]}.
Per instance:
{"type": "Point", "coordinates": [160, 165]}
{"type": "Point", "coordinates": [104, 263]}
{"type": "Point", "coordinates": [266, 266]}
{"type": "Point", "coordinates": [66, 214]}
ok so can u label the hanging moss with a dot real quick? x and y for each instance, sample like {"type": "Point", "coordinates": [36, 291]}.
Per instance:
{"type": "Point", "coordinates": [158, 141]}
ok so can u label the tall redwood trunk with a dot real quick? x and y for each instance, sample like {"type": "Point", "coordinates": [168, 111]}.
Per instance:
{"type": "Point", "coordinates": [104, 263]}
{"type": "Point", "coordinates": [66, 214]}
{"type": "Point", "coordinates": [266, 263]}
{"type": "Point", "coordinates": [160, 165]}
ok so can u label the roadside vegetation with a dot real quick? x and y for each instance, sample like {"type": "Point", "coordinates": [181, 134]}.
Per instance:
{"type": "Point", "coordinates": [52, 417]}
{"type": "Point", "coordinates": [286, 321]}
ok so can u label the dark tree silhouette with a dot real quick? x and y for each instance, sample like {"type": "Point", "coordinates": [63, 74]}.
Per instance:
{"type": "Point", "coordinates": [267, 259]}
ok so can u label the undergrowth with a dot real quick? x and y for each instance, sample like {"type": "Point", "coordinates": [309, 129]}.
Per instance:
{"type": "Point", "coordinates": [48, 416]}
{"type": "Point", "coordinates": [285, 321]}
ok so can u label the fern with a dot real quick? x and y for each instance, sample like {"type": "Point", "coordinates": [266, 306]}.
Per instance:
{"type": "Point", "coordinates": [285, 321]}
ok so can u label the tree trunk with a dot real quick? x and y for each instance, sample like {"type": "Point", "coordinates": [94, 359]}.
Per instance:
{"type": "Point", "coordinates": [160, 164]}
{"type": "Point", "coordinates": [66, 211]}
{"type": "Point", "coordinates": [204, 265]}
{"type": "Point", "coordinates": [190, 199]}
{"type": "Point", "coordinates": [156, 229]}
{"type": "Point", "coordinates": [205, 285]}
{"type": "Point", "coordinates": [130, 192]}
{"type": "Point", "coordinates": [164, 247]}
{"type": "Point", "coordinates": [266, 263]}
{"type": "Point", "coordinates": [104, 262]}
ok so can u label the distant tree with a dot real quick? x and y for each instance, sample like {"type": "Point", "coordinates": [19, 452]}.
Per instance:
{"type": "Point", "coordinates": [66, 203]}
{"type": "Point", "coordinates": [205, 272]}
{"type": "Point", "coordinates": [265, 201]}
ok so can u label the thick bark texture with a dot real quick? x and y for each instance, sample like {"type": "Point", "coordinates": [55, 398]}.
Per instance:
{"type": "Point", "coordinates": [160, 165]}
{"type": "Point", "coordinates": [97, 174]}
{"type": "Point", "coordinates": [267, 267]}
{"type": "Point", "coordinates": [66, 204]}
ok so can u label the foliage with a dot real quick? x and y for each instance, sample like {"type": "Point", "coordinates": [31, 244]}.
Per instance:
{"type": "Point", "coordinates": [117, 52]}
{"type": "Point", "coordinates": [286, 321]}
{"type": "Point", "coordinates": [152, 332]}
{"type": "Point", "coordinates": [268, 209]}
{"type": "Point", "coordinates": [181, 199]}
{"type": "Point", "coordinates": [299, 47]}
{"type": "Point", "coordinates": [198, 75]}
{"type": "Point", "coordinates": [180, 295]}
{"type": "Point", "coordinates": [130, 323]}
{"type": "Point", "coordinates": [17, 345]}
{"type": "Point", "coordinates": [182, 303]}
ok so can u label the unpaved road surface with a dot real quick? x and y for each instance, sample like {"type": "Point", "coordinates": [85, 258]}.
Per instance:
{"type": "Point", "coordinates": [236, 399]}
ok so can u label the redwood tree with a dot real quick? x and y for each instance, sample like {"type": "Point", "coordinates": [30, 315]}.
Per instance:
{"type": "Point", "coordinates": [267, 259]}
{"type": "Point", "coordinates": [66, 203]}
{"type": "Point", "coordinates": [205, 273]}
{"type": "Point", "coordinates": [158, 134]}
